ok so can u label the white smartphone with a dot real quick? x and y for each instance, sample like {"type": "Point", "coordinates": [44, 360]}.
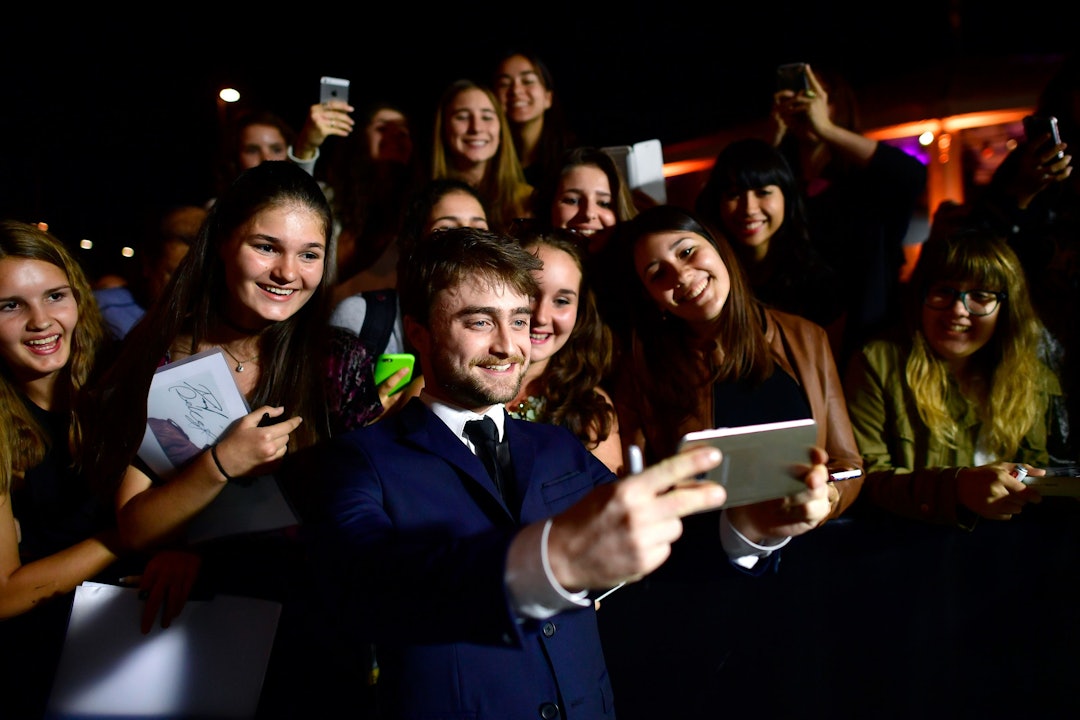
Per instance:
{"type": "Point", "coordinates": [760, 462]}
{"type": "Point", "coordinates": [333, 88]}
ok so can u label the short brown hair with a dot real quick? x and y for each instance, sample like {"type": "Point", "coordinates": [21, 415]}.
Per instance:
{"type": "Point", "coordinates": [445, 258]}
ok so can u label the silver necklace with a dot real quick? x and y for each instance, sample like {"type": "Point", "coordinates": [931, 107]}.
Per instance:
{"type": "Point", "coordinates": [239, 362]}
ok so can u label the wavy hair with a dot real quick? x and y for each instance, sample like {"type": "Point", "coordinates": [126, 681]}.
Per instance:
{"type": "Point", "coordinates": [25, 442]}
{"type": "Point", "coordinates": [1009, 359]}
{"type": "Point", "coordinates": [293, 351]}
{"type": "Point", "coordinates": [573, 373]}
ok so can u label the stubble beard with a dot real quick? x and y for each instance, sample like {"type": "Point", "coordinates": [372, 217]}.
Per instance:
{"type": "Point", "coordinates": [469, 391]}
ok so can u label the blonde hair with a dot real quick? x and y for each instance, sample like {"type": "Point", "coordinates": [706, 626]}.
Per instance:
{"type": "Point", "coordinates": [24, 441]}
{"type": "Point", "coordinates": [505, 191]}
{"type": "Point", "coordinates": [1010, 359]}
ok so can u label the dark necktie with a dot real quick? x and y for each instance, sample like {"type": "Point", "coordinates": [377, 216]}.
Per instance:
{"type": "Point", "coordinates": [495, 456]}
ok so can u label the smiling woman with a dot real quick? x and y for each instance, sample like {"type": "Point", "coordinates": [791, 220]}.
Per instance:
{"type": "Point", "coordinates": [256, 284]}
{"type": "Point", "coordinates": [571, 350]}
{"type": "Point", "coordinates": [52, 534]}
{"type": "Point", "coordinates": [471, 142]}
{"type": "Point", "coordinates": [947, 405]}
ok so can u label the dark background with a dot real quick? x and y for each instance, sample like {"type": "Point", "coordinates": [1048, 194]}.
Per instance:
{"type": "Point", "coordinates": [110, 117]}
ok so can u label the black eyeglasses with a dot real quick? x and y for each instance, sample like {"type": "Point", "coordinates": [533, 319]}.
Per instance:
{"type": "Point", "coordinates": [977, 302]}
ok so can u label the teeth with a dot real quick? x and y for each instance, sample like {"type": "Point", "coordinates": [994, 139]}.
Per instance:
{"type": "Point", "coordinates": [587, 232]}
{"type": "Point", "coordinates": [44, 341]}
{"type": "Point", "coordinates": [538, 336]}
{"type": "Point", "coordinates": [498, 368]}
{"type": "Point", "coordinates": [694, 292]}
{"type": "Point", "coordinates": [278, 291]}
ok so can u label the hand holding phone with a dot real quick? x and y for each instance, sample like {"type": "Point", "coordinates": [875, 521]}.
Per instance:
{"type": "Point", "coordinates": [1037, 127]}
{"type": "Point", "coordinates": [332, 88]}
{"type": "Point", "coordinates": [390, 363]}
{"type": "Point", "coordinates": [792, 76]}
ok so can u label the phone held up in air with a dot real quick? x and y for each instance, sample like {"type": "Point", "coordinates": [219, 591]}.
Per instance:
{"type": "Point", "coordinates": [333, 88]}
{"type": "Point", "coordinates": [792, 76]}
{"type": "Point", "coordinates": [1039, 126]}
{"type": "Point", "coordinates": [390, 363]}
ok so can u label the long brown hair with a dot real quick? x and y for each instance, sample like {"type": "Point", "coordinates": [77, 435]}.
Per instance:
{"type": "Point", "coordinates": [292, 352]}
{"type": "Point", "coordinates": [664, 352]}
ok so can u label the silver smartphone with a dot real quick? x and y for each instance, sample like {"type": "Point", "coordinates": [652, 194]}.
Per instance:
{"type": "Point", "coordinates": [760, 462]}
{"type": "Point", "coordinates": [333, 88]}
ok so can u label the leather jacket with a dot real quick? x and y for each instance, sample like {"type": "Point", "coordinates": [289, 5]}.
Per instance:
{"type": "Point", "coordinates": [802, 349]}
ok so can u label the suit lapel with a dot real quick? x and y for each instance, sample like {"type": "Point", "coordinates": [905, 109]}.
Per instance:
{"type": "Point", "coordinates": [423, 430]}
{"type": "Point", "coordinates": [523, 454]}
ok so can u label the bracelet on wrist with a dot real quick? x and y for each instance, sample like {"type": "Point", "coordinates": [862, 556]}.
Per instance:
{"type": "Point", "coordinates": [213, 455]}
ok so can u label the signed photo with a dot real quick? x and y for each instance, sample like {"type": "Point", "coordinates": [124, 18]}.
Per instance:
{"type": "Point", "coordinates": [191, 402]}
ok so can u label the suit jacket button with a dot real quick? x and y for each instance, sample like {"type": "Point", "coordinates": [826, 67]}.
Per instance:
{"type": "Point", "coordinates": [549, 629]}
{"type": "Point", "coordinates": [550, 711]}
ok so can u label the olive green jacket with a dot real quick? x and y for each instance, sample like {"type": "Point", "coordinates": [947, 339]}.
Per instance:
{"type": "Point", "coordinates": [910, 472]}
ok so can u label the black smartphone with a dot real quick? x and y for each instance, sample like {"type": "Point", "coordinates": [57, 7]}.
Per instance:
{"type": "Point", "coordinates": [792, 76]}
{"type": "Point", "coordinates": [1038, 126]}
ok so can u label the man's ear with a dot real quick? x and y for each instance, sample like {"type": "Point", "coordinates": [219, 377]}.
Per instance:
{"type": "Point", "coordinates": [419, 336]}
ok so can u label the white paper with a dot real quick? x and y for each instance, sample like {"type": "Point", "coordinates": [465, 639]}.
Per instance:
{"type": "Point", "coordinates": [197, 399]}
{"type": "Point", "coordinates": [209, 663]}
{"type": "Point", "coordinates": [642, 167]}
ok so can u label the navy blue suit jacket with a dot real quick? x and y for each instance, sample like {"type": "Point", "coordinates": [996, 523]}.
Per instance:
{"type": "Point", "coordinates": [420, 536]}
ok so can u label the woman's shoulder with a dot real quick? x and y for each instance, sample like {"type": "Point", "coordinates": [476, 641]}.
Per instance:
{"type": "Point", "coordinates": [882, 352]}
{"type": "Point", "coordinates": [793, 325]}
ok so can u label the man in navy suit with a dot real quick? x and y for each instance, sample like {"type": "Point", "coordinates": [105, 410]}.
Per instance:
{"type": "Point", "coordinates": [479, 606]}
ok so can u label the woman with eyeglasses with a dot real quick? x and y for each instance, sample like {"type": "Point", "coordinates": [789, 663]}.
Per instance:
{"type": "Point", "coordinates": [948, 408]}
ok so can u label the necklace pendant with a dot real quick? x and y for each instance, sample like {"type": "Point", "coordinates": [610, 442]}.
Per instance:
{"type": "Point", "coordinates": [239, 367]}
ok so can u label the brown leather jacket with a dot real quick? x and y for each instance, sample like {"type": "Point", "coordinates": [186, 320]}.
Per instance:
{"type": "Point", "coordinates": [801, 348]}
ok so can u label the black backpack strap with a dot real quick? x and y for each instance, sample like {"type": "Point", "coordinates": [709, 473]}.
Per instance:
{"type": "Point", "coordinates": [381, 310]}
